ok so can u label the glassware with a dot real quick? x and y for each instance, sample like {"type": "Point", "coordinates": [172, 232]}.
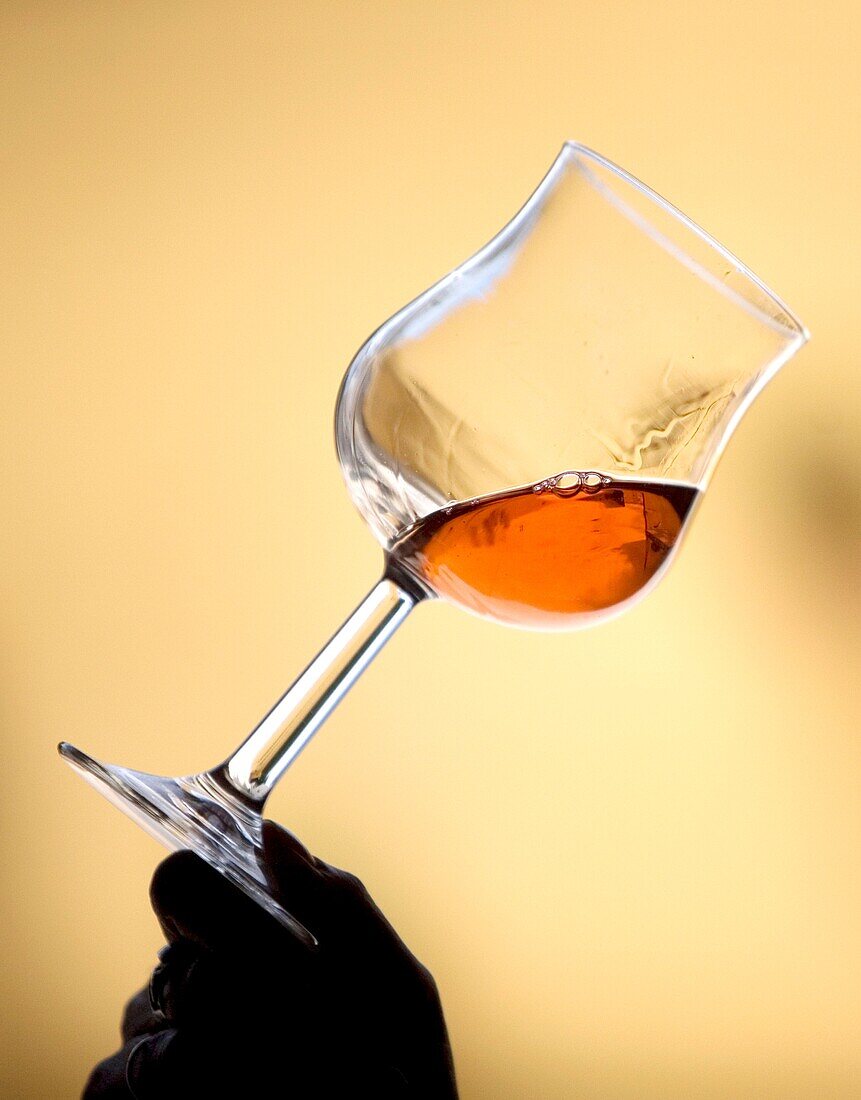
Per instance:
{"type": "Point", "coordinates": [525, 439]}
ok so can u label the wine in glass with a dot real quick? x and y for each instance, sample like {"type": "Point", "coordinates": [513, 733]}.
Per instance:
{"type": "Point", "coordinates": [528, 440]}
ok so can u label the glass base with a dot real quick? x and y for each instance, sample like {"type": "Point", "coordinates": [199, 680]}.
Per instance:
{"type": "Point", "coordinates": [193, 813]}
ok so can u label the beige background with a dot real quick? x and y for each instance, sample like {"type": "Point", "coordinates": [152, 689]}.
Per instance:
{"type": "Point", "coordinates": [630, 856]}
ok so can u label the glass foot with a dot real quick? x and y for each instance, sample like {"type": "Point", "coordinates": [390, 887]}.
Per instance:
{"type": "Point", "coordinates": [194, 813]}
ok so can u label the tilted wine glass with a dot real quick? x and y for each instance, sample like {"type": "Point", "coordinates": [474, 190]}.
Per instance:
{"type": "Point", "coordinates": [525, 439]}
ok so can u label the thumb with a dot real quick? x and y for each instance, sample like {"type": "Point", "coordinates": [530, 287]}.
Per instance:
{"type": "Point", "coordinates": [291, 871]}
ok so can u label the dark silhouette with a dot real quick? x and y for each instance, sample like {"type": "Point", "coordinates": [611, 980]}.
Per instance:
{"type": "Point", "coordinates": [239, 1006]}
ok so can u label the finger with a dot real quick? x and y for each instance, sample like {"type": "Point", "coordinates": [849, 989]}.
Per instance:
{"type": "Point", "coordinates": [140, 1018]}
{"type": "Point", "coordinates": [178, 962]}
{"type": "Point", "coordinates": [294, 876]}
{"type": "Point", "coordinates": [124, 1075]}
{"type": "Point", "coordinates": [108, 1079]}
{"type": "Point", "coordinates": [159, 1067]}
{"type": "Point", "coordinates": [385, 996]}
{"type": "Point", "coordinates": [199, 989]}
{"type": "Point", "coordinates": [194, 902]}
{"type": "Point", "coordinates": [180, 1064]}
{"type": "Point", "coordinates": [331, 903]}
{"type": "Point", "coordinates": [306, 886]}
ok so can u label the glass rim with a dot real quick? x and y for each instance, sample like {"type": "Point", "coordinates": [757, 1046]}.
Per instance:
{"type": "Point", "coordinates": [574, 151]}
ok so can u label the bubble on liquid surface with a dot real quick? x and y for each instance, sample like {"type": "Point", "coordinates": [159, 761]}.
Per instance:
{"type": "Point", "coordinates": [593, 482]}
{"type": "Point", "coordinates": [567, 484]}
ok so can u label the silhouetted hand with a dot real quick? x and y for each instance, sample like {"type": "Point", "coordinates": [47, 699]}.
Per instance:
{"type": "Point", "coordinates": [242, 1007]}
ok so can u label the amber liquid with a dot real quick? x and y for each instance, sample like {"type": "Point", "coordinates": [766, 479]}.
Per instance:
{"type": "Point", "coordinates": [550, 555]}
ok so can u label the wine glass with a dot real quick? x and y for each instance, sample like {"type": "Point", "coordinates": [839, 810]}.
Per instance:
{"type": "Point", "coordinates": [526, 439]}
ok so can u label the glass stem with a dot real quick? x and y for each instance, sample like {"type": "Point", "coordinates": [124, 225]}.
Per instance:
{"type": "Point", "coordinates": [257, 765]}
